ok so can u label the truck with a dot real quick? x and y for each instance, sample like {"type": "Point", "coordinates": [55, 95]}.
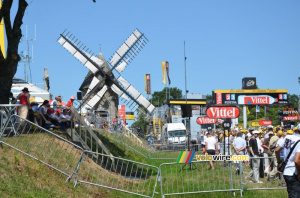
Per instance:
{"type": "Point", "coordinates": [174, 133]}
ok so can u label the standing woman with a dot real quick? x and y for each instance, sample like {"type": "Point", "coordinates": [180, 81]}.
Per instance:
{"type": "Point", "coordinates": [24, 101]}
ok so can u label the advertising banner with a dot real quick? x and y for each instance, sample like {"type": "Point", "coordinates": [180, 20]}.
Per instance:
{"type": "Point", "coordinates": [290, 114]}
{"type": "Point", "coordinates": [205, 120]}
{"type": "Point", "coordinates": [250, 97]}
{"type": "Point", "coordinates": [163, 69]}
{"type": "Point", "coordinates": [129, 116]}
{"type": "Point", "coordinates": [223, 112]}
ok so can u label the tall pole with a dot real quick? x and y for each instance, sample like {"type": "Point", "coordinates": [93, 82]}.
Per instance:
{"type": "Point", "coordinates": [188, 134]}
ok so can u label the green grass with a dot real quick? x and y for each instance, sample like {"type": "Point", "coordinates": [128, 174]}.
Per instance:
{"type": "Point", "coordinates": [21, 176]}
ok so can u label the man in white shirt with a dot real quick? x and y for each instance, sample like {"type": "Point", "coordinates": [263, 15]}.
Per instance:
{"type": "Point", "coordinates": [211, 147]}
{"type": "Point", "coordinates": [292, 182]}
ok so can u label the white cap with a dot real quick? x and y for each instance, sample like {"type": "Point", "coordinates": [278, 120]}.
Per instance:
{"type": "Point", "coordinates": [249, 135]}
{"type": "Point", "coordinates": [270, 127]}
{"type": "Point", "coordinates": [255, 132]}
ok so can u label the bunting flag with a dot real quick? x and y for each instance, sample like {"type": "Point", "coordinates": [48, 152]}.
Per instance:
{"type": "Point", "coordinates": [248, 112]}
{"type": "Point", "coordinates": [163, 68]}
{"type": "Point", "coordinates": [257, 109]}
{"type": "Point", "coordinates": [2, 39]}
{"type": "Point", "coordinates": [148, 84]}
{"type": "Point", "coordinates": [167, 69]}
{"type": "Point", "coordinates": [185, 157]}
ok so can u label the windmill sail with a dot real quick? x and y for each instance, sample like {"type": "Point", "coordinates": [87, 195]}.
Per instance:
{"type": "Point", "coordinates": [128, 51]}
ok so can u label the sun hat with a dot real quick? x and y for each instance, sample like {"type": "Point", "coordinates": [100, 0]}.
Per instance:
{"type": "Point", "coordinates": [72, 97]}
{"type": "Point", "coordinates": [255, 132]}
{"type": "Point", "coordinates": [290, 132]}
{"type": "Point", "coordinates": [25, 89]}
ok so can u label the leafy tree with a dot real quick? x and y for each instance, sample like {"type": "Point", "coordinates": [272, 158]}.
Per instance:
{"type": "Point", "coordinates": [293, 100]}
{"type": "Point", "coordinates": [8, 64]}
{"type": "Point", "coordinates": [158, 97]}
{"type": "Point", "coordinates": [141, 121]}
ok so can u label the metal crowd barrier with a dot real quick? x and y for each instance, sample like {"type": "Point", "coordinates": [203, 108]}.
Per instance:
{"type": "Point", "coordinates": [41, 145]}
{"type": "Point", "coordinates": [274, 182]}
{"type": "Point", "coordinates": [196, 177]}
{"type": "Point", "coordinates": [118, 174]}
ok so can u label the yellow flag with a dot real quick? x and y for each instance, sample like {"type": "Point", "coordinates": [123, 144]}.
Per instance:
{"type": "Point", "coordinates": [248, 112]}
{"type": "Point", "coordinates": [163, 68]}
{"type": "Point", "coordinates": [145, 83]}
{"type": "Point", "coordinates": [2, 39]}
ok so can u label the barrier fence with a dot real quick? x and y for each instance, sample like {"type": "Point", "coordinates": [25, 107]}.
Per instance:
{"type": "Point", "coordinates": [196, 177]}
{"type": "Point", "coordinates": [41, 145]}
{"type": "Point", "coordinates": [118, 174]}
{"type": "Point", "coordinates": [132, 177]}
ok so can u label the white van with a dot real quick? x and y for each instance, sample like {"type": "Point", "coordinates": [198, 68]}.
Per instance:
{"type": "Point", "coordinates": [174, 133]}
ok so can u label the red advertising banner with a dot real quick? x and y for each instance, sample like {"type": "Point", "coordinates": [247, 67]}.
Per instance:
{"type": "Point", "coordinates": [121, 111]}
{"type": "Point", "coordinates": [265, 122]}
{"type": "Point", "coordinates": [223, 112]}
{"type": "Point", "coordinates": [219, 98]}
{"type": "Point", "coordinates": [205, 120]}
{"type": "Point", "coordinates": [290, 118]}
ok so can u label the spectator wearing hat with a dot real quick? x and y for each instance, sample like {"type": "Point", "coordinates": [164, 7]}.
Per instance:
{"type": "Point", "coordinates": [24, 101]}
{"type": "Point", "coordinates": [70, 102]}
{"type": "Point", "coordinates": [273, 144]}
{"type": "Point", "coordinates": [253, 148]}
{"type": "Point", "coordinates": [290, 173]}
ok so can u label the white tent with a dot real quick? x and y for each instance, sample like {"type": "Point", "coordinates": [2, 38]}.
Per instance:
{"type": "Point", "coordinates": [19, 84]}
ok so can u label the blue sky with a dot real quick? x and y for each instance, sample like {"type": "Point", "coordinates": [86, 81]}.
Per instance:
{"type": "Point", "coordinates": [226, 40]}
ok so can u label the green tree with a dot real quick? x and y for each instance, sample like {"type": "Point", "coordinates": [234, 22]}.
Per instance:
{"type": "Point", "coordinates": [158, 97]}
{"type": "Point", "coordinates": [141, 121]}
{"type": "Point", "coordinates": [9, 63]}
{"type": "Point", "coordinates": [293, 100]}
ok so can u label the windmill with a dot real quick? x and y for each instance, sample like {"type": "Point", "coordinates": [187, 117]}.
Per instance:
{"type": "Point", "coordinates": [101, 71]}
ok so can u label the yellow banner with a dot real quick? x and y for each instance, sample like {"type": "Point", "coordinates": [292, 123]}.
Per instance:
{"type": "Point", "coordinates": [255, 124]}
{"type": "Point", "coordinates": [129, 117]}
{"type": "Point", "coordinates": [163, 68]}
{"type": "Point", "coordinates": [145, 77]}
{"type": "Point", "coordinates": [2, 38]}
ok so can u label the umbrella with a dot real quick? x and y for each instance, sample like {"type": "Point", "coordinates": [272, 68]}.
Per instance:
{"type": "Point", "coordinates": [37, 99]}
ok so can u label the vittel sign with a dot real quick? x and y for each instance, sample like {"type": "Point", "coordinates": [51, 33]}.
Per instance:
{"type": "Point", "coordinates": [223, 112]}
{"type": "Point", "coordinates": [205, 120]}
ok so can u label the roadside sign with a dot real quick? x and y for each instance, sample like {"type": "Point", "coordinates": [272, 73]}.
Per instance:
{"type": "Point", "coordinates": [255, 124]}
{"type": "Point", "coordinates": [223, 112]}
{"type": "Point", "coordinates": [205, 120]}
{"type": "Point", "coordinates": [256, 100]}
{"type": "Point", "coordinates": [226, 125]}
{"type": "Point", "coordinates": [265, 122]}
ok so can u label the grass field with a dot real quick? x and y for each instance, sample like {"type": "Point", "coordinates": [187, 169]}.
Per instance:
{"type": "Point", "coordinates": [21, 176]}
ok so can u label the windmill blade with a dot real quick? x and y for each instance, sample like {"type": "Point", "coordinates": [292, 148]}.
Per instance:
{"type": "Point", "coordinates": [84, 57]}
{"type": "Point", "coordinates": [128, 51]}
{"type": "Point", "coordinates": [119, 92]}
{"type": "Point", "coordinates": [93, 84]}
{"type": "Point", "coordinates": [97, 97]}
{"type": "Point", "coordinates": [136, 94]}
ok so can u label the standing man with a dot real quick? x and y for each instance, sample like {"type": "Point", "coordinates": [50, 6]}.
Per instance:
{"type": "Point", "coordinates": [273, 162]}
{"type": "Point", "coordinates": [253, 148]}
{"type": "Point", "coordinates": [292, 182]}
{"type": "Point", "coordinates": [239, 147]}
{"type": "Point", "coordinates": [211, 148]}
